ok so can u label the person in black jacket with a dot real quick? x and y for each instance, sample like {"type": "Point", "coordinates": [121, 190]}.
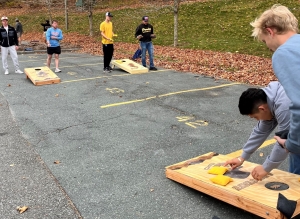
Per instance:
{"type": "Point", "coordinates": [45, 27]}
{"type": "Point", "coordinates": [144, 33]}
{"type": "Point", "coordinates": [9, 43]}
{"type": "Point", "coordinates": [19, 30]}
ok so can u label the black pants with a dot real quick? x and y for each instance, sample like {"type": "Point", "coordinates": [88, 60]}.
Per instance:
{"type": "Point", "coordinates": [108, 51]}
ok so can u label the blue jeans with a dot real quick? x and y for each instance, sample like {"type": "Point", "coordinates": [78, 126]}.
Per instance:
{"type": "Point", "coordinates": [294, 163]}
{"type": "Point", "coordinates": [147, 46]}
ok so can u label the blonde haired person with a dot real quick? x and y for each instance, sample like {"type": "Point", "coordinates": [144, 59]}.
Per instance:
{"type": "Point", "coordinates": [277, 27]}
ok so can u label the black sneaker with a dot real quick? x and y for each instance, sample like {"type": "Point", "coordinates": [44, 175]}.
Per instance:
{"type": "Point", "coordinates": [153, 69]}
{"type": "Point", "coordinates": [109, 68]}
{"type": "Point", "coordinates": [106, 70]}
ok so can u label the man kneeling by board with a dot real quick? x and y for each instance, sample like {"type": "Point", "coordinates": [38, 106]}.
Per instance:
{"type": "Point", "coordinates": [270, 106]}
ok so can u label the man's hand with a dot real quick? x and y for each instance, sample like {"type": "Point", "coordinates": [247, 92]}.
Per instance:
{"type": "Point", "coordinates": [17, 47]}
{"type": "Point", "coordinates": [281, 142]}
{"type": "Point", "coordinates": [235, 162]}
{"type": "Point", "coordinates": [139, 37]}
{"type": "Point", "coordinates": [259, 173]}
{"type": "Point", "coordinates": [53, 37]}
{"type": "Point", "coordinates": [153, 36]}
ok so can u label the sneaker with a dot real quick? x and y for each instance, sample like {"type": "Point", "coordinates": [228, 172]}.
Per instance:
{"type": "Point", "coordinates": [109, 68]}
{"type": "Point", "coordinates": [106, 70]}
{"type": "Point", "coordinates": [6, 72]}
{"type": "Point", "coordinates": [18, 71]}
{"type": "Point", "coordinates": [153, 69]}
{"type": "Point", "coordinates": [57, 70]}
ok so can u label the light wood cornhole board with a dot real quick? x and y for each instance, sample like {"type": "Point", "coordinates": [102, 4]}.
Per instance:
{"type": "Point", "coordinates": [129, 66]}
{"type": "Point", "coordinates": [247, 194]}
{"type": "Point", "coordinates": [41, 75]}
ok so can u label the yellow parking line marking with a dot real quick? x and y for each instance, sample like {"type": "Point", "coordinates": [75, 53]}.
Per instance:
{"type": "Point", "coordinates": [165, 95]}
{"type": "Point", "coordinates": [239, 152]}
{"type": "Point", "coordinates": [86, 79]}
{"type": "Point", "coordinates": [44, 59]}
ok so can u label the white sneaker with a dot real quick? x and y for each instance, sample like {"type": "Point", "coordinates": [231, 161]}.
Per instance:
{"type": "Point", "coordinates": [6, 72]}
{"type": "Point", "coordinates": [19, 72]}
{"type": "Point", "coordinates": [57, 70]}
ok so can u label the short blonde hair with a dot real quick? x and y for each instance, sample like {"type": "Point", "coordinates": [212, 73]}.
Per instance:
{"type": "Point", "coordinates": [278, 17]}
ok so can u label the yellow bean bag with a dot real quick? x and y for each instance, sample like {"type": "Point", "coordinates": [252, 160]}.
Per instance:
{"type": "Point", "coordinates": [217, 170]}
{"type": "Point", "coordinates": [221, 180]}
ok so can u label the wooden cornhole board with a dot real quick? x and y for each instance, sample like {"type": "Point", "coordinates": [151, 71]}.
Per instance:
{"type": "Point", "coordinates": [41, 75]}
{"type": "Point", "coordinates": [247, 194]}
{"type": "Point", "coordinates": [129, 66]}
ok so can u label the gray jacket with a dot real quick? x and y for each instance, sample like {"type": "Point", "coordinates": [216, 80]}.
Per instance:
{"type": "Point", "coordinates": [278, 103]}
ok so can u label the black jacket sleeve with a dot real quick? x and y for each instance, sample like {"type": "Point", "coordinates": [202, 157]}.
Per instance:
{"type": "Point", "coordinates": [137, 31]}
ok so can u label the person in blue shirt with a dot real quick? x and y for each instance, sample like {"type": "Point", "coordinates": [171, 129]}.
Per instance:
{"type": "Point", "coordinates": [53, 37]}
{"type": "Point", "coordinates": [277, 27]}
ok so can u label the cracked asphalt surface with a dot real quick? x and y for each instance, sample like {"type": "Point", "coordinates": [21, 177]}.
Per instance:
{"type": "Point", "coordinates": [95, 145]}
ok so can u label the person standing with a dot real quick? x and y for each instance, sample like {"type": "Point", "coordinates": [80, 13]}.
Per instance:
{"type": "Point", "coordinates": [9, 43]}
{"type": "Point", "coordinates": [19, 29]}
{"type": "Point", "coordinates": [277, 27]}
{"type": "Point", "coordinates": [106, 29]}
{"type": "Point", "coordinates": [144, 33]}
{"type": "Point", "coordinates": [53, 37]}
{"type": "Point", "coordinates": [45, 27]}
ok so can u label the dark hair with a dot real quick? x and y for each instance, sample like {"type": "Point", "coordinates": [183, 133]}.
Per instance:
{"type": "Point", "coordinates": [250, 100]}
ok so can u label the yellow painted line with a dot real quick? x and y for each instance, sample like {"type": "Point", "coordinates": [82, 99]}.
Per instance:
{"type": "Point", "coordinates": [153, 71]}
{"type": "Point", "coordinates": [45, 59]}
{"type": "Point", "coordinates": [86, 79]}
{"type": "Point", "coordinates": [239, 152]}
{"type": "Point", "coordinates": [189, 124]}
{"type": "Point", "coordinates": [165, 95]}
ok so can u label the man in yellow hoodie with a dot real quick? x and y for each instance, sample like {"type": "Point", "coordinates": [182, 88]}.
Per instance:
{"type": "Point", "coordinates": [106, 29]}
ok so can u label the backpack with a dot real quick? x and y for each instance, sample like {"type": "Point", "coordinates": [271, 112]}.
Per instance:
{"type": "Point", "coordinates": [137, 54]}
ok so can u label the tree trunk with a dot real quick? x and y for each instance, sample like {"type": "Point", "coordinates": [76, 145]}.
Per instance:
{"type": "Point", "coordinates": [91, 18]}
{"type": "Point", "coordinates": [49, 3]}
{"type": "Point", "coordinates": [176, 9]}
{"type": "Point", "coordinates": [66, 15]}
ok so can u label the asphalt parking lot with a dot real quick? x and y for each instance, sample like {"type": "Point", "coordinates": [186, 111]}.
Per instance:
{"type": "Point", "coordinates": [96, 144]}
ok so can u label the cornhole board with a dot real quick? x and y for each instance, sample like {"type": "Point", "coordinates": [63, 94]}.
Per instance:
{"type": "Point", "coordinates": [41, 75]}
{"type": "Point", "coordinates": [248, 194]}
{"type": "Point", "coordinates": [129, 66]}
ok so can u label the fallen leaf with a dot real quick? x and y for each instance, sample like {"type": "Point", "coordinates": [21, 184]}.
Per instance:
{"type": "Point", "coordinates": [8, 85]}
{"type": "Point", "coordinates": [261, 154]}
{"type": "Point", "coordinates": [22, 209]}
{"type": "Point", "coordinates": [56, 95]}
{"type": "Point", "coordinates": [11, 165]}
{"type": "Point", "coordinates": [57, 162]}
{"type": "Point", "coordinates": [151, 190]}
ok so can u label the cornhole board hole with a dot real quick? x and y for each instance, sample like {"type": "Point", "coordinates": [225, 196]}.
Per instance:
{"type": "Point", "coordinates": [244, 192]}
{"type": "Point", "coordinates": [129, 66]}
{"type": "Point", "coordinates": [41, 75]}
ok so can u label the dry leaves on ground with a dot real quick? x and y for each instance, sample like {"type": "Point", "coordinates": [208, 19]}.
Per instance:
{"type": "Point", "coordinates": [219, 65]}
{"type": "Point", "coordinates": [22, 209]}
